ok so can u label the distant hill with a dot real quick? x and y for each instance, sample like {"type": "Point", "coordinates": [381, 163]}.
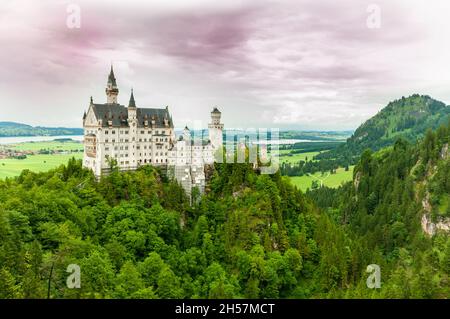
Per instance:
{"type": "Point", "coordinates": [408, 118]}
{"type": "Point", "coordinates": [316, 135]}
{"type": "Point", "coordinates": [8, 129]}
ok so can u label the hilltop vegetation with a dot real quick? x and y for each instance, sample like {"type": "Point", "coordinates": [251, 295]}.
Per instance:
{"type": "Point", "coordinates": [408, 118]}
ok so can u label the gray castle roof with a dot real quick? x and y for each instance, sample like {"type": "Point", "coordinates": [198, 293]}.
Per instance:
{"type": "Point", "coordinates": [118, 114]}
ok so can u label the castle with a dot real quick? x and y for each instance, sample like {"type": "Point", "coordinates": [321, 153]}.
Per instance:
{"type": "Point", "coordinates": [133, 136]}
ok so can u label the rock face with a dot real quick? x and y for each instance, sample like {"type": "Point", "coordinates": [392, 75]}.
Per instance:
{"type": "Point", "coordinates": [431, 228]}
{"type": "Point", "coordinates": [445, 152]}
{"type": "Point", "coordinates": [357, 180]}
{"type": "Point", "coordinates": [428, 226]}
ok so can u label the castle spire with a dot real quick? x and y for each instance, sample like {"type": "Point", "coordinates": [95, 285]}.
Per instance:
{"type": "Point", "coordinates": [132, 103]}
{"type": "Point", "coordinates": [111, 77]}
{"type": "Point", "coordinates": [111, 88]}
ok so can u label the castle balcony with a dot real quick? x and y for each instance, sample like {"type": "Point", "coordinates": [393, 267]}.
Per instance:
{"type": "Point", "coordinates": [90, 145]}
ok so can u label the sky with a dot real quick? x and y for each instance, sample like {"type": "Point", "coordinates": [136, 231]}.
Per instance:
{"type": "Point", "coordinates": [289, 64]}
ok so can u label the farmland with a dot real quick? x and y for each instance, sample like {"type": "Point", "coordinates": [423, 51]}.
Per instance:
{"type": "Point", "coordinates": [37, 156]}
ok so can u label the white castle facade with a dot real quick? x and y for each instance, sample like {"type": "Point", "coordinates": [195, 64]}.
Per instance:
{"type": "Point", "coordinates": [133, 136]}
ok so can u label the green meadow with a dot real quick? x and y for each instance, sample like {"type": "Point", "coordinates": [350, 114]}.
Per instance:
{"type": "Point", "coordinates": [41, 162]}
{"type": "Point", "coordinates": [287, 157]}
{"type": "Point", "coordinates": [327, 179]}
{"type": "Point", "coordinates": [36, 163]}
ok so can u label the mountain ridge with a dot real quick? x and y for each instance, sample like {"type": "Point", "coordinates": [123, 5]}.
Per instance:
{"type": "Point", "coordinates": [14, 129]}
{"type": "Point", "coordinates": [407, 117]}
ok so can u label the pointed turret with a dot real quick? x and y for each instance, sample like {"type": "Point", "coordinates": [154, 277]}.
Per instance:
{"type": "Point", "coordinates": [132, 103]}
{"type": "Point", "coordinates": [111, 88]}
{"type": "Point", "coordinates": [112, 78]}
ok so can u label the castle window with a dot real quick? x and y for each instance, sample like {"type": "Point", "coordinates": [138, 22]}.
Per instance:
{"type": "Point", "coordinates": [113, 140]}
{"type": "Point", "coordinates": [113, 132]}
{"type": "Point", "coordinates": [106, 140]}
{"type": "Point", "coordinates": [142, 132]}
{"type": "Point", "coordinates": [106, 131]}
{"type": "Point", "coordinates": [126, 132]}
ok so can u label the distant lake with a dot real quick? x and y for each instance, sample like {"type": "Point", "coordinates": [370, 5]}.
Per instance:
{"type": "Point", "coordinates": [23, 139]}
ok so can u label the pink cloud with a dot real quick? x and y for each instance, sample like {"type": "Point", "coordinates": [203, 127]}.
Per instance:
{"type": "Point", "coordinates": [261, 57]}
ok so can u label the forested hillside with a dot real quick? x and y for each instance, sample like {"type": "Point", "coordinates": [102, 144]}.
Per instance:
{"type": "Point", "coordinates": [408, 118]}
{"type": "Point", "coordinates": [135, 236]}
{"type": "Point", "coordinates": [393, 192]}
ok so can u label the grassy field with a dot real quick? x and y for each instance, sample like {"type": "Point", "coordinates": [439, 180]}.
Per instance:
{"type": "Point", "coordinates": [36, 163]}
{"type": "Point", "coordinates": [42, 162]}
{"type": "Point", "coordinates": [295, 158]}
{"type": "Point", "coordinates": [50, 145]}
{"type": "Point", "coordinates": [330, 180]}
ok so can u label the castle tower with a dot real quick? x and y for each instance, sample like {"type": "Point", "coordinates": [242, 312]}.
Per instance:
{"type": "Point", "coordinates": [186, 134]}
{"type": "Point", "coordinates": [132, 107]}
{"type": "Point", "coordinates": [111, 88]}
{"type": "Point", "coordinates": [133, 124]}
{"type": "Point", "coordinates": [215, 129]}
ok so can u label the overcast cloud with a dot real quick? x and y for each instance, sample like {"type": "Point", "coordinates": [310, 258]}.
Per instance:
{"type": "Point", "coordinates": [289, 64]}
